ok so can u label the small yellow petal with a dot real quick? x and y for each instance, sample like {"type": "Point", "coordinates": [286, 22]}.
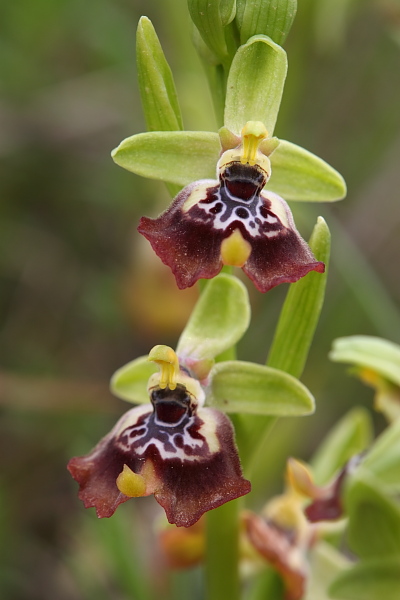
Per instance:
{"type": "Point", "coordinates": [131, 484]}
{"type": "Point", "coordinates": [299, 478]}
{"type": "Point", "coordinates": [235, 250]}
{"type": "Point", "coordinates": [169, 363]}
{"type": "Point", "coordinates": [252, 135]}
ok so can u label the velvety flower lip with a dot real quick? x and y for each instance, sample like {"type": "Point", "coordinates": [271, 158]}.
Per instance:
{"type": "Point", "coordinates": [232, 221]}
{"type": "Point", "coordinates": [174, 448]}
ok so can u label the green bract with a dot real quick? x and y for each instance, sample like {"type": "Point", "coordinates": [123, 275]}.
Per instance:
{"type": "Point", "coordinates": [218, 321]}
{"type": "Point", "coordinates": [224, 24]}
{"type": "Point", "coordinates": [156, 83]}
{"type": "Point", "coordinates": [270, 17]}
{"type": "Point", "coordinates": [210, 19]}
{"type": "Point", "coordinates": [255, 84]}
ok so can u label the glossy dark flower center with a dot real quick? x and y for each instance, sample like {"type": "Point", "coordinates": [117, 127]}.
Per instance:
{"type": "Point", "coordinates": [171, 406]}
{"type": "Point", "coordinates": [243, 181]}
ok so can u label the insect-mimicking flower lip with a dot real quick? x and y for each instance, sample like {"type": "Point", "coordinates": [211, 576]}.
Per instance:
{"type": "Point", "coordinates": [232, 221]}
{"type": "Point", "coordinates": [174, 448]}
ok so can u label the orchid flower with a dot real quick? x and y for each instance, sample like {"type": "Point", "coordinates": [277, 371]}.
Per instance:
{"type": "Point", "coordinates": [241, 218]}
{"type": "Point", "coordinates": [172, 445]}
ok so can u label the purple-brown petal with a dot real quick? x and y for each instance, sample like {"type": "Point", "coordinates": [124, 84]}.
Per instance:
{"type": "Point", "coordinates": [329, 505]}
{"type": "Point", "coordinates": [279, 254]}
{"type": "Point", "coordinates": [190, 247]}
{"type": "Point", "coordinates": [97, 472]}
{"type": "Point", "coordinates": [203, 481]}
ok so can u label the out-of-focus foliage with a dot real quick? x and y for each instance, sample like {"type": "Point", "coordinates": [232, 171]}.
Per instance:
{"type": "Point", "coordinates": [80, 294]}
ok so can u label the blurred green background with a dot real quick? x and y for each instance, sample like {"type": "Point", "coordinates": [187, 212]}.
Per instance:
{"type": "Point", "coordinates": [81, 294]}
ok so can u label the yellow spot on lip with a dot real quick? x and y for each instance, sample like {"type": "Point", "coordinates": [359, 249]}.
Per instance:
{"type": "Point", "coordinates": [169, 363]}
{"type": "Point", "coordinates": [131, 484]}
{"type": "Point", "coordinates": [252, 135]}
{"type": "Point", "coordinates": [136, 485]}
{"type": "Point", "coordinates": [235, 250]}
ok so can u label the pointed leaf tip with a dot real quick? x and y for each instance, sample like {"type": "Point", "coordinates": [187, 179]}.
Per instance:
{"type": "Point", "coordinates": [156, 83]}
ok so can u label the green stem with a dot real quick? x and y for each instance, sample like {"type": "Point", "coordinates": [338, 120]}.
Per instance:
{"type": "Point", "coordinates": [217, 84]}
{"type": "Point", "coordinates": [222, 552]}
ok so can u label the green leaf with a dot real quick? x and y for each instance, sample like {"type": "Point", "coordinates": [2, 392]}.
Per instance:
{"type": "Point", "coordinates": [130, 381]}
{"type": "Point", "coordinates": [210, 19]}
{"type": "Point", "coordinates": [374, 519]}
{"type": "Point", "coordinates": [300, 175]}
{"type": "Point", "coordinates": [270, 17]}
{"type": "Point", "coordinates": [383, 460]}
{"type": "Point", "coordinates": [301, 310]}
{"type": "Point", "coordinates": [374, 353]}
{"type": "Point", "coordinates": [173, 156]}
{"type": "Point", "coordinates": [255, 84]}
{"type": "Point", "coordinates": [156, 83]}
{"type": "Point", "coordinates": [219, 319]}
{"type": "Point", "coordinates": [369, 580]}
{"type": "Point", "coordinates": [350, 436]}
{"type": "Point", "coordinates": [248, 388]}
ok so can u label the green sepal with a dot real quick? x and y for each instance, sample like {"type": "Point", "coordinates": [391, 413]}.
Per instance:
{"type": "Point", "coordinates": [210, 19]}
{"type": "Point", "coordinates": [373, 353]}
{"type": "Point", "coordinates": [248, 388]}
{"type": "Point", "coordinates": [350, 436]}
{"type": "Point", "coordinates": [377, 579]}
{"type": "Point", "coordinates": [130, 381]}
{"type": "Point", "coordinates": [255, 84]}
{"type": "Point", "coordinates": [297, 174]}
{"type": "Point", "coordinates": [219, 319]}
{"type": "Point", "coordinates": [156, 84]}
{"type": "Point", "coordinates": [374, 518]}
{"type": "Point", "coordinates": [270, 17]}
{"type": "Point", "coordinates": [383, 460]}
{"type": "Point", "coordinates": [173, 156]}
{"type": "Point", "coordinates": [301, 310]}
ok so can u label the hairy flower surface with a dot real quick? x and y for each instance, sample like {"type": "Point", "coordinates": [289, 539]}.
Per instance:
{"type": "Point", "coordinates": [174, 448]}
{"type": "Point", "coordinates": [232, 221]}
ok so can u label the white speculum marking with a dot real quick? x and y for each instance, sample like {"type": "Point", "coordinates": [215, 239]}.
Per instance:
{"type": "Point", "coordinates": [227, 209]}
{"type": "Point", "coordinates": [137, 438]}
